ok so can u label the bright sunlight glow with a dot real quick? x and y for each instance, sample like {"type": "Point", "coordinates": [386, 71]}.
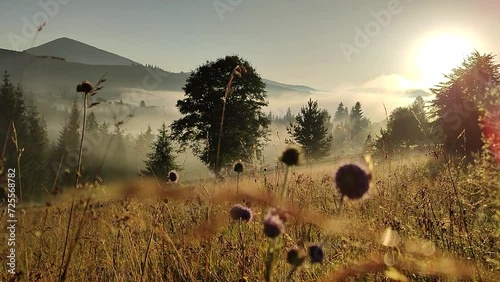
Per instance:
{"type": "Point", "coordinates": [440, 54]}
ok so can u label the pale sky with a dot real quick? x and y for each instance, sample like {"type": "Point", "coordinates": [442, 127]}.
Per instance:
{"type": "Point", "coordinates": [290, 41]}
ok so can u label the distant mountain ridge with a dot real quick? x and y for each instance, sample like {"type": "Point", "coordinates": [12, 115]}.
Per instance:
{"type": "Point", "coordinates": [78, 52]}
{"type": "Point", "coordinates": [56, 66]}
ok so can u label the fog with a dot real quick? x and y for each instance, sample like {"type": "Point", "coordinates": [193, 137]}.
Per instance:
{"type": "Point", "coordinates": [390, 91]}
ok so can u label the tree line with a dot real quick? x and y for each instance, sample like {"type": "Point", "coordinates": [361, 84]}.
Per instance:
{"type": "Point", "coordinates": [460, 118]}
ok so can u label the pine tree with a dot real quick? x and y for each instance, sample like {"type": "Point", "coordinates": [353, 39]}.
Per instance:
{"type": "Point", "coordinates": [358, 122]}
{"type": "Point", "coordinates": [143, 143]}
{"type": "Point", "coordinates": [13, 114]}
{"type": "Point", "coordinates": [12, 110]}
{"type": "Point", "coordinates": [92, 124]}
{"type": "Point", "coordinates": [288, 116]}
{"type": "Point", "coordinates": [341, 114]}
{"type": "Point", "coordinates": [149, 137]}
{"type": "Point", "coordinates": [34, 158]}
{"type": "Point", "coordinates": [161, 159]}
{"type": "Point", "coordinates": [31, 136]}
{"type": "Point", "coordinates": [461, 100]}
{"type": "Point", "coordinates": [67, 144]}
{"type": "Point", "coordinates": [311, 130]}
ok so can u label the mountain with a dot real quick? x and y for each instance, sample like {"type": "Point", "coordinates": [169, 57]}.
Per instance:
{"type": "Point", "coordinates": [57, 67]}
{"type": "Point", "coordinates": [78, 52]}
{"type": "Point", "coordinates": [299, 88]}
{"type": "Point", "coordinates": [414, 93]}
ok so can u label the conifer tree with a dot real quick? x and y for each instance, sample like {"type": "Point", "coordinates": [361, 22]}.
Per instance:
{"type": "Point", "coordinates": [461, 102]}
{"type": "Point", "coordinates": [341, 114]}
{"type": "Point", "coordinates": [92, 124]}
{"type": "Point", "coordinates": [311, 130]}
{"type": "Point", "coordinates": [358, 122]}
{"type": "Point", "coordinates": [161, 159]}
{"type": "Point", "coordinates": [67, 144]}
{"type": "Point", "coordinates": [34, 158]}
{"type": "Point", "coordinates": [29, 156]}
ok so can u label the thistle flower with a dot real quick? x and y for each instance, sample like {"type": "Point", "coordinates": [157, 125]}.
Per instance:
{"type": "Point", "coordinates": [316, 253]}
{"type": "Point", "coordinates": [295, 257]}
{"type": "Point", "coordinates": [292, 155]}
{"type": "Point", "coordinates": [353, 181]}
{"type": "Point", "coordinates": [273, 226]}
{"type": "Point", "coordinates": [85, 87]}
{"type": "Point", "coordinates": [238, 167]}
{"type": "Point", "coordinates": [173, 176]}
{"type": "Point", "coordinates": [283, 215]}
{"type": "Point", "coordinates": [239, 212]}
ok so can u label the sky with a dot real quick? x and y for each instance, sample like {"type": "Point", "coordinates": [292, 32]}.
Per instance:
{"type": "Point", "coordinates": [323, 44]}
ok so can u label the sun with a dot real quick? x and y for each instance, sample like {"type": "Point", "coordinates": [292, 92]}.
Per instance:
{"type": "Point", "coordinates": [439, 54]}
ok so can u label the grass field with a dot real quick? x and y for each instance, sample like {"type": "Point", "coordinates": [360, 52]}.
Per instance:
{"type": "Point", "coordinates": [422, 220]}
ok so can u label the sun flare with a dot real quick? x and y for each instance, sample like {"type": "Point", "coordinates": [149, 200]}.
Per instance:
{"type": "Point", "coordinates": [439, 54]}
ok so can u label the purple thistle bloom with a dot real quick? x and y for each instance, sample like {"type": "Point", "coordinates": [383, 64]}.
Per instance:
{"type": "Point", "coordinates": [273, 225]}
{"type": "Point", "coordinates": [291, 156]}
{"type": "Point", "coordinates": [239, 212]}
{"type": "Point", "coordinates": [173, 176]}
{"type": "Point", "coordinates": [238, 167]}
{"type": "Point", "coordinates": [316, 253]}
{"type": "Point", "coordinates": [352, 181]}
{"type": "Point", "coordinates": [295, 257]}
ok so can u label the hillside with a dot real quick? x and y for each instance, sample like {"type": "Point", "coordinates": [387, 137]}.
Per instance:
{"type": "Point", "coordinates": [59, 65]}
{"type": "Point", "coordinates": [78, 52]}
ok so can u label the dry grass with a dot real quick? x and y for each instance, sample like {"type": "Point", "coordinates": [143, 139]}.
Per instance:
{"type": "Point", "coordinates": [146, 231]}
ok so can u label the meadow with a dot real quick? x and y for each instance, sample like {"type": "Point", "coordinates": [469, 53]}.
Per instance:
{"type": "Point", "coordinates": [425, 218]}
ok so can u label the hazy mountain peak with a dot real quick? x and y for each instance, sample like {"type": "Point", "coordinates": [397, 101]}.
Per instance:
{"type": "Point", "coordinates": [75, 51]}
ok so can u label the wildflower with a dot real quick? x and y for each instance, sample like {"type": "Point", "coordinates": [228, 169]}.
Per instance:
{"type": "Point", "coordinates": [238, 167]}
{"type": "Point", "coordinates": [283, 215]}
{"type": "Point", "coordinates": [316, 253]}
{"type": "Point", "coordinates": [239, 212]}
{"type": "Point", "coordinates": [173, 176]}
{"type": "Point", "coordinates": [291, 156]}
{"type": "Point", "coordinates": [85, 87]}
{"type": "Point", "coordinates": [295, 257]}
{"type": "Point", "coordinates": [273, 225]}
{"type": "Point", "coordinates": [353, 181]}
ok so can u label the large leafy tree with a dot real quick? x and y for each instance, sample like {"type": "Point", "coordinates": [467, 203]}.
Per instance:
{"type": "Point", "coordinates": [245, 123]}
{"type": "Point", "coordinates": [311, 130]}
{"type": "Point", "coordinates": [407, 125]}
{"type": "Point", "coordinates": [161, 158]}
{"type": "Point", "coordinates": [461, 100]}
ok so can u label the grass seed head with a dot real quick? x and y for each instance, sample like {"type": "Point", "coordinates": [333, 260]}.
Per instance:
{"type": "Point", "coordinates": [353, 181]}
{"type": "Point", "coordinates": [239, 212]}
{"type": "Point", "coordinates": [85, 87]}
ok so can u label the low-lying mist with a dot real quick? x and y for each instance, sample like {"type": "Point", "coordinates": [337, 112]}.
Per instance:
{"type": "Point", "coordinates": [136, 109]}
